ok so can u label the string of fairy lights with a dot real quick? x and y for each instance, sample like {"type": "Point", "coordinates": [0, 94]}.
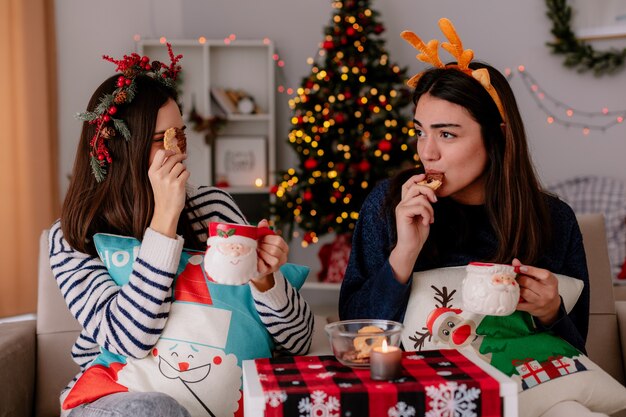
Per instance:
{"type": "Point", "coordinates": [559, 112]}
{"type": "Point", "coordinates": [556, 111]}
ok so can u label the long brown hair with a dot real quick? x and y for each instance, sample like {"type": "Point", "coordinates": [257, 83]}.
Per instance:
{"type": "Point", "coordinates": [514, 200]}
{"type": "Point", "coordinates": [123, 203]}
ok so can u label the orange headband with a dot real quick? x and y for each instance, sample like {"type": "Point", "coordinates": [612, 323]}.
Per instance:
{"type": "Point", "coordinates": [430, 55]}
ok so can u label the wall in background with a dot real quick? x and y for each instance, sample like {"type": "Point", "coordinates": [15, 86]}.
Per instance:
{"type": "Point", "coordinates": [504, 33]}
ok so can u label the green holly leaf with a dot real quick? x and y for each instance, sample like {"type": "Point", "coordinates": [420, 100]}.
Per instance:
{"type": "Point", "coordinates": [98, 170]}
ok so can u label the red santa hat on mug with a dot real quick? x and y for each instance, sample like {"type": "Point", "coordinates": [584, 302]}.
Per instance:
{"type": "Point", "coordinates": [232, 233]}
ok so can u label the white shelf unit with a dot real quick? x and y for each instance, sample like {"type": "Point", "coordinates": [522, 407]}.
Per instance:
{"type": "Point", "coordinates": [246, 65]}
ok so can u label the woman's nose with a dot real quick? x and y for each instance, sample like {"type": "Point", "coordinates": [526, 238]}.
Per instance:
{"type": "Point", "coordinates": [427, 149]}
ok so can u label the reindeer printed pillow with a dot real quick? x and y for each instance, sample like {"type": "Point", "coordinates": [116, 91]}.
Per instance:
{"type": "Point", "coordinates": [210, 330]}
{"type": "Point", "coordinates": [539, 360]}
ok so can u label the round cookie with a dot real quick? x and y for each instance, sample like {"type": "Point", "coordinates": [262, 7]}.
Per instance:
{"type": "Point", "coordinates": [365, 344]}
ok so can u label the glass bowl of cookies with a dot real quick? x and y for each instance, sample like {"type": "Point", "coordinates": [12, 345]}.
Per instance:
{"type": "Point", "coordinates": [353, 340]}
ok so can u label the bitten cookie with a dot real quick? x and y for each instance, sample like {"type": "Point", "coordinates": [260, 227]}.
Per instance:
{"type": "Point", "coordinates": [170, 140]}
{"type": "Point", "coordinates": [433, 181]}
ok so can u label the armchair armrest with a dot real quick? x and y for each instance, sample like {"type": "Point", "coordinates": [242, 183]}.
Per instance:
{"type": "Point", "coordinates": [620, 308]}
{"type": "Point", "coordinates": [17, 368]}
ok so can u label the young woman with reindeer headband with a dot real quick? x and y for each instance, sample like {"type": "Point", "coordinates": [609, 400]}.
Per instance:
{"type": "Point", "coordinates": [125, 182]}
{"type": "Point", "coordinates": [489, 205]}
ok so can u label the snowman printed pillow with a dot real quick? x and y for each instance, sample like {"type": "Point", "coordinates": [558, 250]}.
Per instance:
{"type": "Point", "coordinates": [210, 330]}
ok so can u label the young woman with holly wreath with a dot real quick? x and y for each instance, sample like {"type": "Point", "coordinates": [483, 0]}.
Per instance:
{"type": "Point", "coordinates": [125, 183]}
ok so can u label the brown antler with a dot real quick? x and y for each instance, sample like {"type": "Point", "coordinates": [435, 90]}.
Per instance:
{"type": "Point", "coordinates": [442, 296]}
{"type": "Point", "coordinates": [430, 55]}
{"type": "Point", "coordinates": [455, 47]}
{"type": "Point", "coordinates": [420, 338]}
{"type": "Point", "coordinates": [429, 52]}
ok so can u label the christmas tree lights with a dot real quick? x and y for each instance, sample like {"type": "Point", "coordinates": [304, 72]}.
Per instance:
{"type": "Point", "coordinates": [350, 127]}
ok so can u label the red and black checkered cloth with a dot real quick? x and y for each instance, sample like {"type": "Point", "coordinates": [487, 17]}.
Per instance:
{"type": "Point", "coordinates": [433, 382]}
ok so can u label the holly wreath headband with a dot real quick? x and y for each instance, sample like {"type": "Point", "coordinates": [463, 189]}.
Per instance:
{"type": "Point", "coordinates": [430, 55]}
{"type": "Point", "coordinates": [103, 116]}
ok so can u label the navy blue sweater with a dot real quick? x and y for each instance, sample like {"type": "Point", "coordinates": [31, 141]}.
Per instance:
{"type": "Point", "coordinates": [369, 289]}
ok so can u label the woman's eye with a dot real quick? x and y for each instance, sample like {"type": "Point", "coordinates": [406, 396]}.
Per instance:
{"type": "Point", "coordinates": [174, 354]}
{"type": "Point", "coordinates": [447, 135]}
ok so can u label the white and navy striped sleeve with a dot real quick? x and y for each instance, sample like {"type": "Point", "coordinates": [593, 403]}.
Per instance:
{"type": "Point", "coordinates": [211, 204]}
{"type": "Point", "coordinates": [286, 315]}
{"type": "Point", "coordinates": [126, 320]}
{"type": "Point", "coordinates": [283, 311]}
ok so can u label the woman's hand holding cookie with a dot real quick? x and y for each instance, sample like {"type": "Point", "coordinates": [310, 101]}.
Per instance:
{"type": "Point", "coordinates": [168, 177]}
{"type": "Point", "coordinates": [414, 215]}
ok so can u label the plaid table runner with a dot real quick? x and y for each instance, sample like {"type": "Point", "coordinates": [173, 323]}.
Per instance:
{"type": "Point", "coordinates": [434, 383]}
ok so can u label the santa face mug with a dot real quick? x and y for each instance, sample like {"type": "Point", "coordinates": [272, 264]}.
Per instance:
{"type": "Point", "coordinates": [490, 289]}
{"type": "Point", "coordinates": [231, 256]}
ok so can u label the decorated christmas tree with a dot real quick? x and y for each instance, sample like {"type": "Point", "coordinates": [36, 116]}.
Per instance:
{"type": "Point", "coordinates": [350, 127]}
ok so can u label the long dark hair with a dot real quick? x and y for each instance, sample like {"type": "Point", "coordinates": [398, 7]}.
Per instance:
{"type": "Point", "coordinates": [123, 203]}
{"type": "Point", "coordinates": [514, 200]}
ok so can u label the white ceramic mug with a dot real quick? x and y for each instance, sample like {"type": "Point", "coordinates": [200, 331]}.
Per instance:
{"type": "Point", "coordinates": [490, 289]}
{"type": "Point", "coordinates": [231, 256]}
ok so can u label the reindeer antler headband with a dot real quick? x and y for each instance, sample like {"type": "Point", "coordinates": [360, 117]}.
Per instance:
{"type": "Point", "coordinates": [107, 126]}
{"type": "Point", "coordinates": [430, 55]}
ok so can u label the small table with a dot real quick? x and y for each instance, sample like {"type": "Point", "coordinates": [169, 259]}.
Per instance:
{"type": "Point", "coordinates": [431, 380]}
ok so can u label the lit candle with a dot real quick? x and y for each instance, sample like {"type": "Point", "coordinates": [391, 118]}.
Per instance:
{"type": "Point", "coordinates": [385, 362]}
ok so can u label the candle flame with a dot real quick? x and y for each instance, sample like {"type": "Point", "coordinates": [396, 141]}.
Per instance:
{"type": "Point", "coordinates": [384, 348]}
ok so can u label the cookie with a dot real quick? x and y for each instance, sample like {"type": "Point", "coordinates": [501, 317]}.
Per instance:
{"type": "Point", "coordinates": [352, 356]}
{"type": "Point", "coordinates": [432, 181]}
{"type": "Point", "coordinates": [170, 140]}
{"type": "Point", "coordinates": [364, 344]}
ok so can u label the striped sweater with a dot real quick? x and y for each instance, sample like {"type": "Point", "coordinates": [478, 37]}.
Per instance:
{"type": "Point", "coordinates": [128, 320]}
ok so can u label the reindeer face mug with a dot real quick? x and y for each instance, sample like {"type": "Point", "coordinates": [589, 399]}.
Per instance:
{"type": "Point", "coordinates": [490, 289]}
{"type": "Point", "coordinates": [231, 256]}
